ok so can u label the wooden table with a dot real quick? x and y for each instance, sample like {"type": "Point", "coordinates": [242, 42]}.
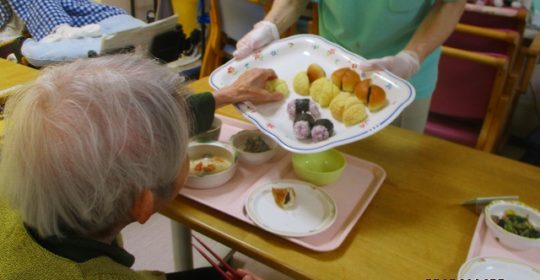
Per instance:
{"type": "Point", "coordinates": [12, 74]}
{"type": "Point", "coordinates": [415, 227]}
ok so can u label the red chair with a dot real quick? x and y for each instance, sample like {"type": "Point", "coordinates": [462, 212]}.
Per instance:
{"type": "Point", "coordinates": [508, 19]}
{"type": "Point", "coordinates": [468, 92]}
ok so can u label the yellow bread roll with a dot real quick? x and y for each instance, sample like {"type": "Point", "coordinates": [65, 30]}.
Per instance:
{"type": "Point", "coordinates": [354, 114]}
{"type": "Point", "coordinates": [323, 91]}
{"type": "Point", "coordinates": [337, 106]}
{"type": "Point", "coordinates": [301, 83]}
{"type": "Point", "coordinates": [350, 101]}
{"type": "Point", "coordinates": [278, 85]}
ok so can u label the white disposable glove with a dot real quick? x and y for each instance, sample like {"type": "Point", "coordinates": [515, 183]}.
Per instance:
{"type": "Point", "coordinates": [262, 34]}
{"type": "Point", "coordinates": [404, 64]}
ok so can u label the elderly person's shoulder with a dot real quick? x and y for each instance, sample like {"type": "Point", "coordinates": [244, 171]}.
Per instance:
{"type": "Point", "coordinates": [22, 258]}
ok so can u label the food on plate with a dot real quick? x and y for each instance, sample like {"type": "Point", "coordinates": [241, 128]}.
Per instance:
{"type": "Point", "coordinates": [323, 91]}
{"type": "Point", "coordinates": [300, 105]}
{"type": "Point", "coordinates": [322, 130]}
{"type": "Point", "coordinates": [361, 90]}
{"type": "Point", "coordinates": [516, 224]}
{"type": "Point", "coordinates": [345, 79]}
{"type": "Point", "coordinates": [278, 85]}
{"type": "Point", "coordinates": [284, 197]}
{"type": "Point", "coordinates": [301, 83]}
{"type": "Point", "coordinates": [208, 164]}
{"type": "Point", "coordinates": [376, 99]}
{"type": "Point", "coordinates": [373, 96]}
{"type": "Point", "coordinates": [315, 72]}
{"type": "Point", "coordinates": [256, 145]}
{"type": "Point", "coordinates": [355, 112]}
{"type": "Point", "coordinates": [337, 106]}
{"type": "Point", "coordinates": [303, 123]}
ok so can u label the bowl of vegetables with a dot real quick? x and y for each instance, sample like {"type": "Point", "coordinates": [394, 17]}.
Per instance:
{"type": "Point", "coordinates": [514, 224]}
{"type": "Point", "coordinates": [211, 164]}
{"type": "Point", "coordinates": [254, 147]}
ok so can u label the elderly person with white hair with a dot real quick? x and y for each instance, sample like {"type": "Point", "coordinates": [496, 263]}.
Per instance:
{"type": "Point", "coordinates": [91, 147]}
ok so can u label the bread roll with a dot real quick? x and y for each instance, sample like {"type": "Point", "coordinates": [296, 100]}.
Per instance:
{"type": "Point", "coordinates": [354, 114]}
{"type": "Point", "coordinates": [315, 72]}
{"type": "Point", "coordinates": [278, 85]}
{"type": "Point", "coordinates": [337, 106]}
{"type": "Point", "coordinates": [361, 90]}
{"type": "Point", "coordinates": [377, 98]}
{"type": "Point", "coordinates": [323, 91]}
{"type": "Point", "coordinates": [345, 79]}
{"type": "Point", "coordinates": [301, 83]}
{"type": "Point", "coordinates": [349, 81]}
{"type": "Point", "coordinates": [337, 76]}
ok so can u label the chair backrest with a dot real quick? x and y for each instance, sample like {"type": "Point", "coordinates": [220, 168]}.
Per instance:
{"type": "Point", "coordinates": [497, 18]}
{"type": "Point", "coordinates": [485, 40]}
{"type": "Point", "coordinates": [466, 83]}
{"type": "Point", "coordinates": [469, 87]}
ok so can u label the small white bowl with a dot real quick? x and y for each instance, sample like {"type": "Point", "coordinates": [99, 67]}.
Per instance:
{"type": "Point", "coordinates": [239, 139]}
{"type": "Point", "coordinates": [509, 239]}
{"type": "Point", "coordinates": [198, 150]}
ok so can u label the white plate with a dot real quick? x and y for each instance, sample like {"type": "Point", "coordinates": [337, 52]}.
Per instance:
{"type": "Point", "coordinates": [294, 54]}
{"type": "Point", "coordinates": [313, 212]}
{"type": "Point", "coordinates": [497, 268]}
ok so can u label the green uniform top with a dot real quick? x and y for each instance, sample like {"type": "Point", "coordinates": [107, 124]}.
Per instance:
{"type": "Point", "coordinates": [378, 28]}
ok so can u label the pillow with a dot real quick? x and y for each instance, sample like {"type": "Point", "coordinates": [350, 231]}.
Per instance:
{"type": "Point", "coordinates": [42, 54]}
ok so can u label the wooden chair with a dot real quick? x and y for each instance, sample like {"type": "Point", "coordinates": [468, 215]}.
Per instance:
{"type": "Point", "coordinates": [465, 104]}
{"type": "Point", "coordinates": [515, 20]}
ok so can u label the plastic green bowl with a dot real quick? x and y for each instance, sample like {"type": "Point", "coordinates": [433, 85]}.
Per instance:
{"type": "Point", "coordinates": [320, 168]}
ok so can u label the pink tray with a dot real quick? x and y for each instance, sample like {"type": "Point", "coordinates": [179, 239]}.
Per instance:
{"type": "Point", "coordinates": [352, 192]}
{"type": "Point", "coordinates": [484, 244]}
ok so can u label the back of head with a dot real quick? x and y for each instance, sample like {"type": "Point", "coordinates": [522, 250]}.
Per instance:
{"type": "Point", "coordinates": [86, 137]}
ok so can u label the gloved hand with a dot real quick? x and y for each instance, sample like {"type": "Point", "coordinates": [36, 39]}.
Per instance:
{"type": "Point", "coordinates": [404, 64]}
{"type": "Point", "coordinates": [262, 34]}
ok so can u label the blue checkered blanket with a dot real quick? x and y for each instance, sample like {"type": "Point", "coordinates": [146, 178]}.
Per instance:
{"type": "Point", "coordinates": [43, 16]}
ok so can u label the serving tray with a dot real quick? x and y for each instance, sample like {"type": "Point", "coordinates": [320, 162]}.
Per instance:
{"type": "Point", "coordinates": [484, 244]}
{"type": "Point", "coordinates": [352, 193]}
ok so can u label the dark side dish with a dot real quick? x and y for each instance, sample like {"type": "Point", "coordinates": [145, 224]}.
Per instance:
{"type": "Point", "coordinates": [256, 145]}
{"type": "Point", "coordinates": [516, 224]}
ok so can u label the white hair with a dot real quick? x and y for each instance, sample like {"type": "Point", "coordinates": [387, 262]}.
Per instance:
{"type": "Point", "coordinates": [85, 138]}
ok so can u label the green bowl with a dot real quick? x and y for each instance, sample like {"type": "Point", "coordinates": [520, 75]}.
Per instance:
{"type": "Point", "coordinates": [320, 168]}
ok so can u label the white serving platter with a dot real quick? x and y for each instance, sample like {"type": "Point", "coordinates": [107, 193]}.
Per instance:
{"type": "Point", "coordinates": [293, 54]}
